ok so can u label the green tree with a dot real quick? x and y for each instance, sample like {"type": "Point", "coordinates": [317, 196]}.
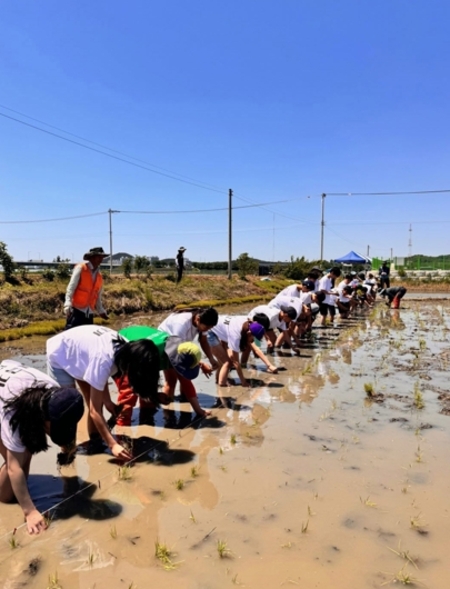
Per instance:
{"type": "Point", "coordinates": [246, 265]}
{"type": "Point", "coordinates": [297, 268]}
{"type": "Point", "coordinates": [6, 261]}
{"type": "Point", "coordinates": [127, 265]}
{"type": "Point", "coordinates": [62, 271]}
{"type": "Point", "coordinates": [142, 264]}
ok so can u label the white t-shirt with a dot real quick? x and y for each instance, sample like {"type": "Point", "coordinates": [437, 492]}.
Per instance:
{"type": "Point", "coordinates": [326, 284]}
{"type": "Point", "coordinates": [272, 313]}
{"type": "Point", "coordinates": [290, 291]}
{"type": "Point", "coordinates": [85, 352]}
{"type": "Point", "coordinates": [280, 301]}
{"type": "Point", "coordinates": [229, 330]}
{"type": "Point", "coordinates": [180, 324]}
{"type": "Point", "coordinates": [14, 379]}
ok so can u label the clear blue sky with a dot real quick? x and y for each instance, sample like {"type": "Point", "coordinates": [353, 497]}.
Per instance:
{"type": "Point", "coordinates": [276, 100]}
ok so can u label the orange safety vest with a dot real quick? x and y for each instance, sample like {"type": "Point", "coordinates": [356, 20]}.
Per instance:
{"type": "Point", "coordinates": [87, 291]}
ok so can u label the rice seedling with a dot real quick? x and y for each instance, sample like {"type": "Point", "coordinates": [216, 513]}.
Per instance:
{"type": "Point", "coordinates": [233, 439]}
{"type": "Point", "coordinates": [368, 388]}
{"type": "Point", "coordinates": [194, 472]}
{"type": "Point", "coordinates": [305, 526]}
{"type": "Point", "coordinates": [220, 450]}
{"type": "Point", "coordinates": [113, 532]}
{"type": "Point", "coordinates": [222, 549]}
{"type": "Point", "coordinates": [235, 581]}
{"type": "Point", "coordinates": [13, 542]}
{"type": "Point", "coordinates": [224, 468]}
{"type": "Point", "coordinates": [125, 473]}
{"type": "Point", "coordinates": [192, 518]}
{"type": "Point", "coordinates": [90, 558]}
{"type": "Point", "coordinates": [179, 484]}
{"type": "Point", "coordinates": [415, 522]}
{"type": "Point", "coordinates": [164, 554]}
{"type": "Point", "coordinates": [287, 545]}
{"type": "Point", "coordinates": [367, 502]}
{"type": "Point", "coordinates": [402, 577]}
{"type": "Point", "coordinates": [53, 581]}
{"type": "Point", "coordinates": [404, 554]}
{"type": "Point", "coordinates": [419, 454]}
{"type": "Point", "coordinates": [418, 397]}
{"type": "Point", "coordinates": [422, 344]}
{"type": "Point", "coordinates": [310, 512]}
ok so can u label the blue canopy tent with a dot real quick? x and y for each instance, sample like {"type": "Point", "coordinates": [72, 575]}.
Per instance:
{"type": "Point", "coordinates": [353, 258]}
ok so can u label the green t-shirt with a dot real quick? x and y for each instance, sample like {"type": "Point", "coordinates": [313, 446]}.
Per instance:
{"type": "Point", "coordinates": [159, 338]}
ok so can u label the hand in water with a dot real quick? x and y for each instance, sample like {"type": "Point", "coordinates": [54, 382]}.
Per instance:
{"type": "Point", "coordinates": [120, 452]}
{"type": "Point", "coordinates": [35, 522]}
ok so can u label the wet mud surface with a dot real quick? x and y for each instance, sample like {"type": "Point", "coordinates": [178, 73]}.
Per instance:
{"type": "Point", "coordinates": [332, 473]}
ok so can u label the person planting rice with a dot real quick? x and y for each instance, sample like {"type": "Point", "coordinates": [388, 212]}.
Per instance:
{"type": "Point", "coordinates": [235, 334]}
{"type": "Point", "coordinates": [279, 318]}
{"type": "Point", "coordinates": [32, 406]}
{"type": "Point", "coordinates": [394, 295]}
{"type": "Point", "coordinates": [180, 360]}
{"type": "Point", "coordinates": [89, 355]}
{"type": "Point", "coordinates": [326, 284]}
{"type": "Point", "coordinates": [192, 324]}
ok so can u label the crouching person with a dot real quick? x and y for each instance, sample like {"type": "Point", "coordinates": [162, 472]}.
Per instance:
{"type": "Point", "coordinates": [394, 295]}
{"type": "Point", "coordinates": [89, 355]}
{"type": "Point", "coordinates": [32, 407]}
{"type": "Point", "coordinates": [180, 361]}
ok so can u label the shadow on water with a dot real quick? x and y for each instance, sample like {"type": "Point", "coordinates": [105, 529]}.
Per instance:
{"type": "Point", "coordinates": [153, 451]}
{"type": "Point", "coordinates": [66, 497]}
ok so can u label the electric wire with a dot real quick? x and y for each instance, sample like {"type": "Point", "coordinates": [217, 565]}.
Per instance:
{"type": "Point", "coordinates": [109, 148]}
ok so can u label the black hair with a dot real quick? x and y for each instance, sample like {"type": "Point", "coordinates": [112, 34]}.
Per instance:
{"type": "Point", "coordinates": [320, 296]}
{"type": "Point", "coordinates": [243, 342]}
{"type": "Point", "coordinates": [139, 360]}
{"type": "Point", "coordinates": [348, 277]}
{"type": "Point", "coordinates": [313, 274]}
{"type": "Point", "coordinates": [208, 316]}
{"type": "Point", "coordinates": [262, 319]}
{"type": "Point", "coordinates": [30, 414]}
{"type": "Point", "coordinates": [336, 271]}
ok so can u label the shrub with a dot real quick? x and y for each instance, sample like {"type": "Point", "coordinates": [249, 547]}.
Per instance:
{"type": "Point", "coordinates": [62, 271]}
{"type": "Point", "coordinates": [48, 275]}
{"type": "Point", "coordinates": [246, 265]}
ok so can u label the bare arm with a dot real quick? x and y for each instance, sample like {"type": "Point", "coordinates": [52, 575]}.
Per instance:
{"type": "Point", "coordinates": [96, 401]}
{"type": "Point", "coordinates": [263, 357]}
{"type": "Point", "coordinates": [16, 462]}
{"type": "Point", "coordinates": [207, 350]}
{"type": "Point", "coordinates": [234, 359]}
{"type": "Point", "coordinates": [71, 288]}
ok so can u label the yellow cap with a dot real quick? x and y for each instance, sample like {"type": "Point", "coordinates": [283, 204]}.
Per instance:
{"type": "Point", "coordinates": [191, 349]}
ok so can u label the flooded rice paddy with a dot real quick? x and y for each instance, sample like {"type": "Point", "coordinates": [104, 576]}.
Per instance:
{"type": "Point", "coordinates": [333, 473]}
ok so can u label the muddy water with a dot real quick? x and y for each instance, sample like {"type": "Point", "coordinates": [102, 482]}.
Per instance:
{"type": "Point", "coordinates": [306, 479]}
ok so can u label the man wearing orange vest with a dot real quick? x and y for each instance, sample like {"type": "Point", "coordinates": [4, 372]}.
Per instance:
{"type": "Point", "coordinates": [84, 292]}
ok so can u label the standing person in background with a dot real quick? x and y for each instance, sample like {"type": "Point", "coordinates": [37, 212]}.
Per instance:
{"type": "Point", "coordinates": [179, 260]}
{"type": "Point", "coordinates": [384, 272]}
{"type": "Point", "coordinates": [84, 291]}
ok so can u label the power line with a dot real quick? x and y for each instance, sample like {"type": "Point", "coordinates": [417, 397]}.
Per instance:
{"type": "Point", "coordinates": [192, 211]}
{"type": "Point", "coordinates": [405, 192]}
{"type": "Point", "coordinates": [108, 148]}
{"type": "Point", "coordinates": [110, 155]}
{"type": "Point", "coordinates": [50, 220]}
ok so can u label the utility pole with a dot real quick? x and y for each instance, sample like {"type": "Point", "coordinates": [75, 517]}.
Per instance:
{"type": "Point", "coordinates": [230, 240]}
{"type": "Point", "coordinates": [410, 242]}
{"type": "Point", "coordinates": [322, 227]}
{"type": "Point", "coordinates": [368, 251]}
{"type": "Point", "coordinates": [110, 211]}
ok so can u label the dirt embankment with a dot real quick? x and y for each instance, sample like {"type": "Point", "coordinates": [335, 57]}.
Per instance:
{"type": "Point", "coordinates": [39, 300]}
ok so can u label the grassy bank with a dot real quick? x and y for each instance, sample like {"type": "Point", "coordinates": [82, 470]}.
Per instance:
{"type": "Point", "coordinates": [36, 307]}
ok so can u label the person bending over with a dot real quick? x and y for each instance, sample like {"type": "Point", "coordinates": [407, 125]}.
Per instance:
{"type": "Point", "coordinates": [89, 355]}
{"type": "Point", "coordinates": [32, 407]}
